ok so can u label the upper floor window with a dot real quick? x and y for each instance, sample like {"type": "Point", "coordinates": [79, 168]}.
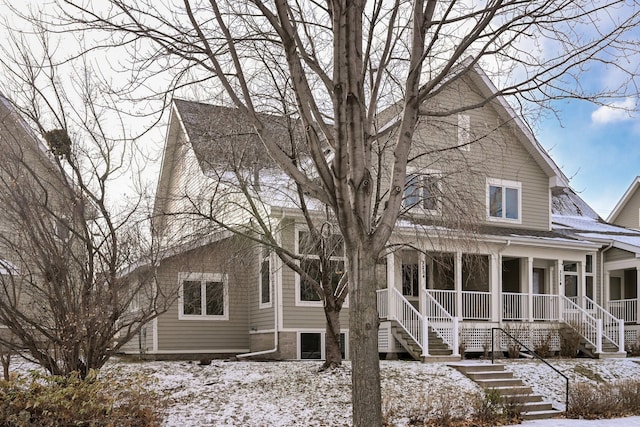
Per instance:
{"type": "Point", "coordinates": [332, 245]}
{"type": "Point", "coordinates": [504, 200]}
{"type": "Point", "coordinates": [422, 191]}
{"type": "Point", "coordinates": [203, 296]}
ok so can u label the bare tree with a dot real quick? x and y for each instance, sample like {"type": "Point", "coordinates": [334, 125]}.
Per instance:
{"type": "Point", "coordinates": [77, 266]}
{"type": "Point", "coordinates": [362, 71]}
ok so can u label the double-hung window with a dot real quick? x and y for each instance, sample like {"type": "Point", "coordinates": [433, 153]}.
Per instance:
{"type": "Point", "coordinates": [421, 192]}
{"type": "Point", "coordinates": [203, 296]}
{"type": "Point", "coordinates": [306, 293]}
{"type": "Point", "coordinates": [504, 200]}
{"type": "Point", "coordinates": [265, 286]}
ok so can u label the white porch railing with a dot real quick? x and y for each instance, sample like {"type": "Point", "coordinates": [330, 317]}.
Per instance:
{"type": "Point", "coordinates": [383, 303]}
{"type": "Point", "coordinates": [442, 322]}
{"type": "Point", "coordinates": [515, 306]}
{"type": "Point", "coordinates": [625, 309]}
{"type": "Point", "coordinates": [446, 299]}
{"type": "Point", "coordinates": [416, 325]}
{"type": "Point", "coordinates": [612, 326]}
{"type": "Point", "coordinates": [584, 323]}
{"type": "Point", "coordinates": [545, 307]}
{"type": "Point", "coordinates": [476, 305]}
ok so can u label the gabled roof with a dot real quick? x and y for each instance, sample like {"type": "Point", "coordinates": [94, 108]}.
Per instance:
{"type": "Point", "coordinates": [529, 141]}
{"type": "Point", "coordinates": [623, 201]}
{"type": "Point", "coordinates": [572, 216]}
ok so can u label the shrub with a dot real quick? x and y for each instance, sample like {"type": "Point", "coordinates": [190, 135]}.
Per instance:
{"type": "Point", "coordinates": [542, 346]}
{"type": "Point", "coordinates": [569, 342]}
{"type": "Point", "coordinates": [604, 400]}
{"type": "Point", "coordinates": [47, 401]}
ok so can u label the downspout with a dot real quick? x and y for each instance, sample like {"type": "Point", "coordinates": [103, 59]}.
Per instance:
{"type": "Point", "coordinates": [602, 270]}
{"type": "Point", "coordinates": [275, 324]}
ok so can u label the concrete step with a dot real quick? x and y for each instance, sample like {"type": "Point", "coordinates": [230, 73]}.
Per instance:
{"type": "Point", "coordinates": [507, 382]}
{"type": "Point", "coordinates": [535, 407]}
{"type": "Point", "coordinates": [540, 415]}
{"type": "Point", "coordinates": [489, 375]}
{"type": "Point", "coordinates": [522, 397]}
{"type": "Point", "coordinates": [477, 367]}
{"type": "Point", "coordinates": [511, 390]}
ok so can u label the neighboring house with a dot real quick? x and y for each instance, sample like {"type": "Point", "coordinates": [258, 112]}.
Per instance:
{"type": "Point", "coordinates": [487, 238]}
{"type": "Point", "coordinates": [29, 182]}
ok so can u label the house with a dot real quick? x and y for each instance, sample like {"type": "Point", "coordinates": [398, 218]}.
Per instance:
{"type": "Point", "coordinates": [484, 241]}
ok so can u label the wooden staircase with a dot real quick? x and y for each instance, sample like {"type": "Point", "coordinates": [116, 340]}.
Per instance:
{"type": "Point", "coordinates": [438, 350]}
{"type": "Point", "coordinates": [495, 377]}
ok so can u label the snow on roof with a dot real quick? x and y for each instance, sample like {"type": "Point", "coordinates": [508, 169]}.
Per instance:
{"type": "Point", "coordinates": [571, 215]}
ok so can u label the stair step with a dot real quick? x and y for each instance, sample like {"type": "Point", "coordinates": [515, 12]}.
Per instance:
{"type": "Point", "coordinates": [540, 415]}
{"type": "Point", "coordinates": [490, 375]}
{"type": "Point", "coordinates": [521, 398]}
{"type": "Point", "coordinates": [511, 390]}
{"type": "Point", "coordinates": [507, 382]}
{"type": "Point", "coordinates": [477, 367]}
{"type": "Point", "coordinates": [535, 406]}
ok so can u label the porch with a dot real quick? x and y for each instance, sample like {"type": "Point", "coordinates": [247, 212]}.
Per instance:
{"type": "Point", "coordinates": [455, 299]}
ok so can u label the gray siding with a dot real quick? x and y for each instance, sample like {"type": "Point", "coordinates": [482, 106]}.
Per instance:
{"type": "Point", "coordinates": [301, 317]}
{"type": "Point", "coordinates": [496, 152]}
{"type": "Point", "coordinates": [629, 216]}
{"type": "Point", "coordinates": [615, 254]}
{"type": "Point", "coordinates": [230, 257]}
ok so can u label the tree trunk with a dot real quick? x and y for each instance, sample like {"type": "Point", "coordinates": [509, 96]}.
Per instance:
{"type": "Point", "coordinates": [363, 335]}
{"type": "Point", "coordinates": [333, 356]}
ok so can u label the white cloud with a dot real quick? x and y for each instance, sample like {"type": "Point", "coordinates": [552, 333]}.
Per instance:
{"type": "Point", "coordinates": [614, 112]}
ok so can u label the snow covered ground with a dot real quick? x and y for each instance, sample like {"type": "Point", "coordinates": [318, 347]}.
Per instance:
{"type": "Point", "coordinates": [295, 394]}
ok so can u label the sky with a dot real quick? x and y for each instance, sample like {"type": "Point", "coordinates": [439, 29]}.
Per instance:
{"type": "Point", "coordinates": [597, 147]}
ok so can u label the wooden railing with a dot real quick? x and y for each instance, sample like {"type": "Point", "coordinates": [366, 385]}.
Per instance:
{"type": "Point", "coordinates": [583, 322]}
{"type": "Point", "coordinates": [442, 322]}
{"type": "Point", "coordinates": [515, 306]}
{"type": "Point", "coordinates": [625, 309]}
{"type": "Point", "coordinates": [545, 307]}
{"type": "Point", "coordinates": [612, 327]}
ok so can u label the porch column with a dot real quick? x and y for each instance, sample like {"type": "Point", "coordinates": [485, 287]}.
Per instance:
{"type": "Point", "coordinates": [530, 288]}
{"type": "Point", "coordinates": [422, 282]}
{"type": "Point", "coordinates": [560, 282]}
{"type": "Point", "coordinates": [495, 286]}
{"type": "Point", "coordinates": [637, 295]}
{"type": "Point", "coordinates": [391, 280]}
{"type": "Point", "coordinates": [458, 284]}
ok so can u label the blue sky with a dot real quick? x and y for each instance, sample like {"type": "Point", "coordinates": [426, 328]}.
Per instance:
{"type": "Point", "coordinates": [598, 148]}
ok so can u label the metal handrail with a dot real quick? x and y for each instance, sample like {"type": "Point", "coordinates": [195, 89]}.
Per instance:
{"type": "Point", "coordinates": [534, 354]}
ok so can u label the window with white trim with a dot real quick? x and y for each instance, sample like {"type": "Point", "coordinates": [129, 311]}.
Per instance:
{"type": "Point", "coordinates": [464, 132]}
{"type": "Point", "coordinates": [504, 200]}
{"type": "Point", "coordinates": [265, 285]}
{"type": "Point", "coordinates": [311, 345]}
{"type": "Point", "coordinates": [305, 292]}
{"type": "Point", "coordinates": [422, 191]}
{"type": "Point", "coordinates": [589, 277]}
{"type": "Point", "coordinates": [203, 296]}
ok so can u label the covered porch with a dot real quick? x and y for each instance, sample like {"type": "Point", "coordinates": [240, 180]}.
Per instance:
{"type": "Point", "coordinates": [461, 296]}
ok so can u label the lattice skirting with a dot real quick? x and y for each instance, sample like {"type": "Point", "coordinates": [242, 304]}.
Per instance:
{"type": "Point", "coordinates": [478, 338]}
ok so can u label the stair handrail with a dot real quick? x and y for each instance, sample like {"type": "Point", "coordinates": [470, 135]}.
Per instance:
{"type": "Point", "coordinates": [596, 325]}
{"type": "Point", "coordinates": [610, 322]}
{"type": "Point", "coordinates": [535, 355]}
{"type": "Point", "coordinates": [443, 313]}
{"type": "Point", "coordinates": [396, 295]}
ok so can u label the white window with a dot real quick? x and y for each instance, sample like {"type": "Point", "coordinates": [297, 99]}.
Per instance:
{"type": "Point", "coordinates": [264, 282]}
{"type": "Point", "coordinates": [203, 296]}
{"type": "Point", "coordinates": [422, 192]}
{"type": "Point", "coordinates": [464, 132]}
{"type": "Point", "coordinates": [306, 293]}
{"type": "Point", "coordinates": [504, 200]}
{"type": "Point", "coordinates": [311, 345]}
{"type": "Point", "coordinates": [589, 277]}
